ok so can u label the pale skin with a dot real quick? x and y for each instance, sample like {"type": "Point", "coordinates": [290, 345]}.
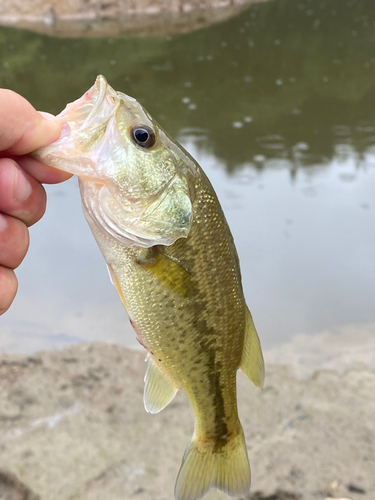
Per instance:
{"type": "Point", "coordinates": [22, 196]}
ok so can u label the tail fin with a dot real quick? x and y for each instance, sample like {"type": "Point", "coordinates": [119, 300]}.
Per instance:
{"type": "Point", "coordinates": [204, 468]}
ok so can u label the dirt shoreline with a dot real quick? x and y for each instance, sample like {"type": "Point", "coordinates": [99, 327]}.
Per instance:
{"type": "Point", "coordinates": [73, 427]}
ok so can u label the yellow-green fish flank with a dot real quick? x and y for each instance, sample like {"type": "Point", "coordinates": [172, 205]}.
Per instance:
{"type": "Point", "coordinates": [171, 256]}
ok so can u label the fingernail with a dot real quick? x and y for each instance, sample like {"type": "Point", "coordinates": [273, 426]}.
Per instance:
{"type": "Point", "coordinates": [22, 187]}
{"type": "Point", "coordinates": [3, 222]}
{"type": "Point", "coordinates": [49, 116]}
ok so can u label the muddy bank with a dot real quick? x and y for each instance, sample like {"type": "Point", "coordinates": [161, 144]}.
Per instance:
{"type": "Point", "coordinates": [73, 426]}
{"type": "Point", "coordinates": [77, 18]}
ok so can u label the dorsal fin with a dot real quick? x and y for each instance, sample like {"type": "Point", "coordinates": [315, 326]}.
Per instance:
{"type": "Point", "coordinates": [252, 363]}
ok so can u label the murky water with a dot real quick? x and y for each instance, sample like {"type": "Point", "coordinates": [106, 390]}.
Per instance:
{"type": "Point", "coordinates": [278, 107]}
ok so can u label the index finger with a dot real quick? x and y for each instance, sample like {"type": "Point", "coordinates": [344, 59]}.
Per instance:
{"type": "Point", "coordinates": [40, 171]}
{"type": "Point", "coordinates": [22, 128]}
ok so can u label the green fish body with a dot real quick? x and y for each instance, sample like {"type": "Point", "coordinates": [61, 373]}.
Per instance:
{"type": "Point", "coordinates": [171, 256]}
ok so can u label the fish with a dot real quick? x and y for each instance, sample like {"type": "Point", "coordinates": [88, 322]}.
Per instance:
{"type": "Point", "coordinates": [173, 261]}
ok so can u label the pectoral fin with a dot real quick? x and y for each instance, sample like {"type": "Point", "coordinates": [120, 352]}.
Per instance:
{"type": "Point", "coordinates": [252, 363]}
{"type": "Point", "coordinates": [170, 273]}
{"type": "Point", "coordinates": [158, 392]}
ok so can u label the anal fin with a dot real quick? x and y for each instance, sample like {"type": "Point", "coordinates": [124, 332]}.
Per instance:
{"type": "Point", "coordinates": [252, 363]}
{"type": "Point", "coordinates": [158, 392]}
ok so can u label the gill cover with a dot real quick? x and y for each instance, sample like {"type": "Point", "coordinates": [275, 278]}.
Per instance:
{"type": "Point", "coordinates": [162, 222]}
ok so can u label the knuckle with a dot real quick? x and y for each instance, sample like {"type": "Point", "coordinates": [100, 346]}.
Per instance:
{"type": "Point", "coordinates": [21, 196]}
{"type": "Point", "coordinates": [14, 242]}
{"type": "Point", "coordinates": [8, 288]}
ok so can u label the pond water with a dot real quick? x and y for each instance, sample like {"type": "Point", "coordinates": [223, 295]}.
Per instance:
{"type": "Point", "coordinates": [278, 107]}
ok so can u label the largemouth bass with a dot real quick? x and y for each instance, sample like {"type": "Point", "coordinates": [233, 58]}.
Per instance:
{"type": "Point", "coordinates": [172, 259]}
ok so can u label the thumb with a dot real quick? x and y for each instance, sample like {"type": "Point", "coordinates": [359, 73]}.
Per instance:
{"type": "Point", "coordinates": [22, 128]}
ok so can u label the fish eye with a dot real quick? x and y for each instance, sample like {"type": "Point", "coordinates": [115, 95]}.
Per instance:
{"type": "Point", "coordinates": [143, 135]}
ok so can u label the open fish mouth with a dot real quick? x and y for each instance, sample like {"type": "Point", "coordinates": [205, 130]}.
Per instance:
{"type": "Point", "coordinates": [83, 126]}
{"type": "Point", "coordinates": [83, 110]}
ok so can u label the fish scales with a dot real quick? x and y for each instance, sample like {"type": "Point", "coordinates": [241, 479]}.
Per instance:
{"type": "Point", "coordinates": [171, 256]}
{"type": "Point", "coordinates": [197, 335]}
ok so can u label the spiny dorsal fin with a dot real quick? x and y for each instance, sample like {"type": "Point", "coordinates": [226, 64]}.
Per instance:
{"type": "Point", "coordinates": [252, 363]}
{"type": "Point", "coordinates": [158, 392]}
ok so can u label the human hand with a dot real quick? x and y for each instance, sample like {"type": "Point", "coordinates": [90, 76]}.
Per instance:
{"type": "Point", "coordinates": [22, 197]}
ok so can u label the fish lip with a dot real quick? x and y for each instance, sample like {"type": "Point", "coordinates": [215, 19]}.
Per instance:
{"type": "Point", "coordinates": [100, 81]}
{"type": "Point", "coordinates": [100, 85]}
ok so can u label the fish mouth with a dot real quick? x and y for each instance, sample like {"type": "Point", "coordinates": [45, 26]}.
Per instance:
{"type": "Point", "coordinates": [83, 126]}
{"type": "Point", "coordinates": [81, 113]}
